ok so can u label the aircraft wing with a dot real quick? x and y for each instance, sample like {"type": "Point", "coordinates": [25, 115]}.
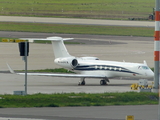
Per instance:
{"type": "Point", "coordinates": [65, 75]}
{"type": "Point", "coordinates": [59, 75]}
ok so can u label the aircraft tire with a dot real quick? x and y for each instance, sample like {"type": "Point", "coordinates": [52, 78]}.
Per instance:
{"type": "Point", "coordinates": [83, 83]}
{"type": "Point", "coordinates": [102, 82]}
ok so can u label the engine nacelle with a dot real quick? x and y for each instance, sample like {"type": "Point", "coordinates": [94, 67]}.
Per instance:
{"type": "Point", "coordinates": [67, 62]}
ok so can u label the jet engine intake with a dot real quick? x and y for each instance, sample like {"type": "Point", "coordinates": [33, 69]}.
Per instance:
{"type": "Point", "coordinates": [74, 63]}
{"type": "Point", "coordinates": [67, 62]}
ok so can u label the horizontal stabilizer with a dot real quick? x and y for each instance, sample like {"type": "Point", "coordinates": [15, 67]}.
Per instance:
{"type": "Point", "coordinates": [48, 38]}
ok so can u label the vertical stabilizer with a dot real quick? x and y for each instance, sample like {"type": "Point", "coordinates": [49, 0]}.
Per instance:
{"type": "Point", "coordinates": [59, 49]}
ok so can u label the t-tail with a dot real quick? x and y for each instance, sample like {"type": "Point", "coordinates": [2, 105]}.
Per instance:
{"type": "Point", "coordinates": [59, 48]}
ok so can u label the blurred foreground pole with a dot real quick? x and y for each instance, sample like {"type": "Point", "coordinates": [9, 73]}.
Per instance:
{"type": "Point", "coordinates": [157, 51]}
{"type": "Point", "coordinates": [156, 47]}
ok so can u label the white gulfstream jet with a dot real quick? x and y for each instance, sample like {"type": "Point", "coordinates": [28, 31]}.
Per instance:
{"type": "Point", "coordinates": [91, 67]}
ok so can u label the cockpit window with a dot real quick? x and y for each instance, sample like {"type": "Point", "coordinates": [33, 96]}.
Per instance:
{"type": "Point", "coordinates": [143, 67]}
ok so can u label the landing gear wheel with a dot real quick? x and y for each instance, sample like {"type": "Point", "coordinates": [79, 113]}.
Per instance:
{"type": "Point", "coordinates": [103, 82]}
{"type": "Point", "coordinates": [83, 83]}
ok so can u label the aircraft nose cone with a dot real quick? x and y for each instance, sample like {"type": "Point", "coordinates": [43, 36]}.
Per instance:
{"type": "Point", "coordinates": [150, 74]}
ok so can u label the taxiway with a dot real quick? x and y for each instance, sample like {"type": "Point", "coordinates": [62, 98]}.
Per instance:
{"type": "Point", "coordinates": [77, 21]}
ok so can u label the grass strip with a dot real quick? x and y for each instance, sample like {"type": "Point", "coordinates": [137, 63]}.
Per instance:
{"type": "Point", "coordinates": [101, 9]}
{"type": "Point", "coordinates": [78, 99]}
{"type": "Point", "coordinates": [65, 42]}
{"type": "Point", "coordinates": [77, 29]}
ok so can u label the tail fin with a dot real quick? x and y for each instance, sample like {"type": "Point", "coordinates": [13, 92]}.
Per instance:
{"type": "Point", "coordinates": [59, 48]}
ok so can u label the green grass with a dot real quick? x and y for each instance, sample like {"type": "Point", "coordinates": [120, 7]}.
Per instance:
{"type": "Point", "coordinates": [65, 42]}
{"type": "Point", "coordinates": [78, 99]}
{"type": "Point", "coordinates": [103, 9]}
{"type": "Point", "coordinates": [77, 29]}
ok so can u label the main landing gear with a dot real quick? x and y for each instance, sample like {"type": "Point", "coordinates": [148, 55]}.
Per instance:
{"type": "Point", "coordinates": [82, 81]}
{"type": "Point", "coordinates": [102, 82]}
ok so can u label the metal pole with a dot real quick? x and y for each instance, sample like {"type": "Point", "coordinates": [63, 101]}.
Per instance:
{"type": "Point", "coordinates": [156, 47]}
{"type": "Point", "coordinates": [25, 68]}
{"type": "Point", "coordinates": [157, 51]}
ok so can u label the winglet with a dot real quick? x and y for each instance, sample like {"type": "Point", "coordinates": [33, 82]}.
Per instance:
{"type": "Point", "coordinates": [10, 69]}
{"type": "Point", "coordinates": [145, 62]}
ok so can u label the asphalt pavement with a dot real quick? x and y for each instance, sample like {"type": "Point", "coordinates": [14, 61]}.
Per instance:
{"type": "Point", "coordinates": [140, 112]}
{"type": "Point", "coordinates": [77, 21]}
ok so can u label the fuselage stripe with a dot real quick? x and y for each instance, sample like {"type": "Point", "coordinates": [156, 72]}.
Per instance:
{"type": "Point", "coordinates": [104, 68]}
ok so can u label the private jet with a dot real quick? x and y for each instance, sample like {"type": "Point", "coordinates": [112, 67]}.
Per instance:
{"type": "Point", "coordinates": [91, 67]}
